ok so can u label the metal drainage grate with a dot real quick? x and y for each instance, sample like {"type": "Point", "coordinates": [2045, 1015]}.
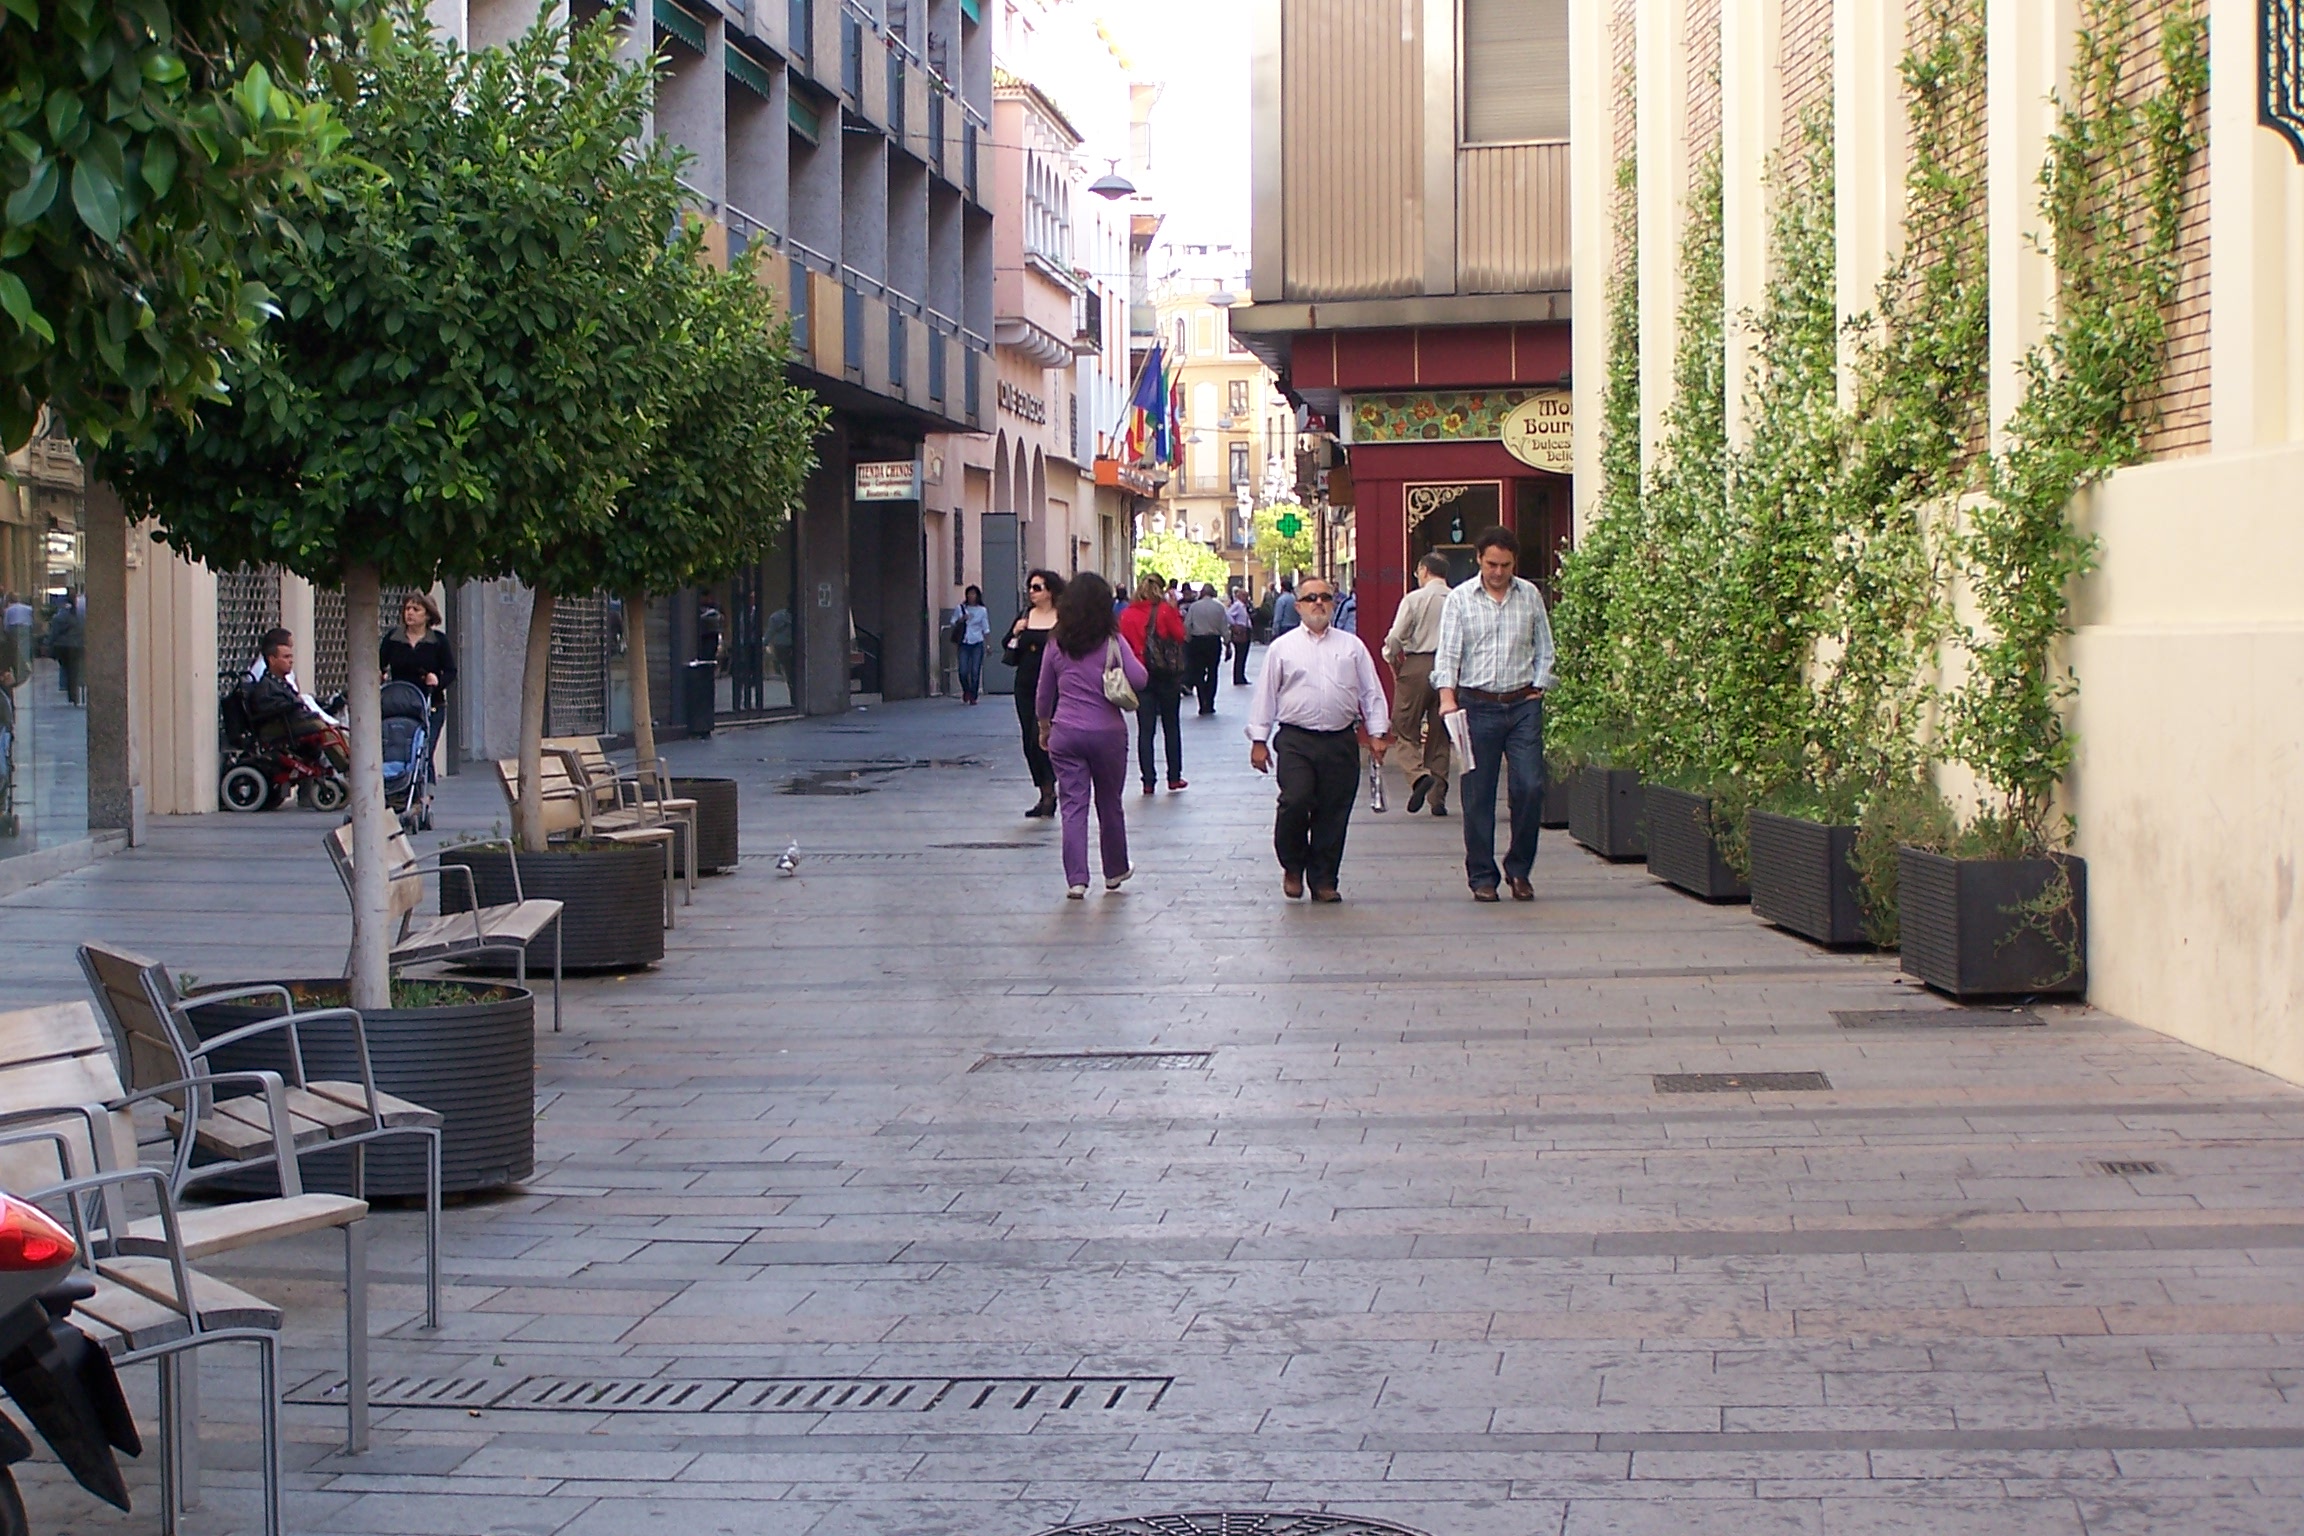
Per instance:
{"type": "Point", "coordinates": [1095, 1061]}
{"type": "Point", "coordinates": [1238, 1522]}
{"type": "Point", "coordinates": [752, 1394]}
{"type": "Point", "coordinates": [1742, 1082]}
{"type": "Point", "coordinates": [1936, 1018]}
{"type": "Point", "coordinates": [2129, 1168]}
{"type": "Point", "coordinates": [855, 858]}
{"type": "Point", "coordinates": [986, 847]}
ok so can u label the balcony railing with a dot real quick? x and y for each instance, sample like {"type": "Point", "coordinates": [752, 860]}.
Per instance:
{"type": "Point", "coordinates": [972, 373]}
{"type": "Point", "coordinates": [968, 161]}
{"type": "Point", "coordinates": [899, 347]}
{"type": "Point", "coordinates": [936, 124]}
{"type": "Point", "coordinates": [745, 231]}
{"type": "Point", "coordinates": [799, 275]}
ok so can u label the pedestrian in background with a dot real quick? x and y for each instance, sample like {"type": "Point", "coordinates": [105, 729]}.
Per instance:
{"type": "Point", "coordinates": [1024, 648]}
{"type": "Point", "coordinates": [1317, 691]}
{"type": "Point", "coordinates": [1206, 623]}
{"type": "Point", "coordinates": [1348, 611]}
{"type": "Point", "coordinates": [1154, 630]}
{"type": "Point", "coordinates": [1242, 632]}
{"type": "Point", "coordinates": [1084, 731]}
{"type": "Point", "coordinates": [1284, 616]}
{"type": "Point", "coordinates": [1494, 662]}
{"type": "Point", "coordinates": [1416, 722]}
{"type": "Point", "coordinates": [66, 637]}
{"type": "Point", "coordinates": [970, 628]}
{"type": "Point", "coordinates": [17, 618]}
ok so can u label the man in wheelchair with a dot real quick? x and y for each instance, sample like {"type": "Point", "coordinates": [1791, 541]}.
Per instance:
{"type": "Point", "coordinates": [284, 714]}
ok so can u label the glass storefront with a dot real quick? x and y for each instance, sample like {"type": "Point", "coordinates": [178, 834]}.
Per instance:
{"type": "Point", "coordinates": [43, 646]}
{"type": "Point", "coordinates": [748, 625]}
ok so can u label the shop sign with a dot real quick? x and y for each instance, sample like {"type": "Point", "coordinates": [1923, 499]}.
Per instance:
{"type": "Point", "coordinates": [890, 480]}
{"type": "Point", "coordinates": [1469, 416]}
{"type": "Point", "coordinates": [1023, 404]}
{"type": "Point", "coordinates": [1132, 478]}
{"type": "Point", "coordinates": [1539, 432]}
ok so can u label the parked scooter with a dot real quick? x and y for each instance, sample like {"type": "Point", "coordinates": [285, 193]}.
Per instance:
{"type": "Point", "coordinates": [60, 1379]}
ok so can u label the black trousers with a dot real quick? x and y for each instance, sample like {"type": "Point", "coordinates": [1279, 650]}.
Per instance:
{"type": "Point", "coordinates": [1240, 657]}
{"type": "Point", "coordinates": [1159, 704]}
{"type": "Point", "coordinates": [1027, 702]}
{"type": "Point", "coordinates": [1204, 655]}
{"type": "Point", "coordinates": [1319, 775]}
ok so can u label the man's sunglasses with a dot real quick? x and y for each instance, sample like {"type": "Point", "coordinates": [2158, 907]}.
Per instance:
{"type": "Point", "coordinates": [1316, 597]}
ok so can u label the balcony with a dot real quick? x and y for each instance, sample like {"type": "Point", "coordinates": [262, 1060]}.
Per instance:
{"type": "Point", "coordinates": [1088, 328]}
{"type": "Point", "coordinates": [745, 231]}
{"type": "Point", "coordinates": [895, 94]}
{"type": "Point", "coordinates": [852, 57]}
{"type": "Point", "coordinates": [802, 21]}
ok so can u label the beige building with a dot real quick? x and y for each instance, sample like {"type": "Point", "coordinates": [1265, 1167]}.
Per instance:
{"type": "Point", "coordinates": [1239, 431]}
{"type": "Point", "coordinates": [2188, 789]}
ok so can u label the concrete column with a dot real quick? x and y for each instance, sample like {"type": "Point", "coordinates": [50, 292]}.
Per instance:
{"type": "Point", "coordinates": [1751, 115]}
{"type": "Point", "coordinates": [1661, 52]}
{"type": "Point", "coordinates": [1591, 201]}
{"type": "Point", "coordinates": [1439, 68]}
{"type": "Point", "coordinates": [115, 793]}
{"type": "Point", "coordinates": [2255, 235]}
{"type": "Point", "coordinates": [296, 617]}
{"type": "Point", "coordinates": [2029, 47]}
{"type": "Point", "coordinates": [821, 524]}
{"type": "Point", "coordinates": [1869, 153]}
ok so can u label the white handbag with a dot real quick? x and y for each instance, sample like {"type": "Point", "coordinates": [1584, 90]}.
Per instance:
{"type": "Point", "coordinates": [1116, 687]}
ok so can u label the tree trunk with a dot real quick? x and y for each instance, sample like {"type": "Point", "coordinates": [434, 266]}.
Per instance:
{"type": "Point", "coordinates": [636, 666]}
{"type": "Point", "coordinates": [535, 681]}
{"type": "Point", "coordinates": [371, 919]}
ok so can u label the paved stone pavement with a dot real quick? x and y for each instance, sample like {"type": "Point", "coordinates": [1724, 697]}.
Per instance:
{"type": "Point", "coordinates": [1418, 1239]}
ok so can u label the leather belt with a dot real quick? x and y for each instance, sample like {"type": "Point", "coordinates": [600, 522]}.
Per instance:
{"type": "Point", "coordinates": [1483, 696]}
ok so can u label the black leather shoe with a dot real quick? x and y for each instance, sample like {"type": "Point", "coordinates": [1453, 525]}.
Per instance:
{"type": "Point", "coordinates": [1440, 803]}
{"type": "Point", "coordinates": [1417, 792]}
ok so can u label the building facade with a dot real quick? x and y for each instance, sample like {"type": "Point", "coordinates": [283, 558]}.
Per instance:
{"type": "Point", "coordinates": [1411, 270]}
{"type": "Point", "coordinates": [2189, 643]}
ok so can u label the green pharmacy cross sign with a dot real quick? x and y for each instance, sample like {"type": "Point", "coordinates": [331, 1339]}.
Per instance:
{"type": "Point", "coordinates": [1289, 525]}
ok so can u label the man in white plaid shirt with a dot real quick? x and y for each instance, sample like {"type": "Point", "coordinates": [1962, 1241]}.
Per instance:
{"type": "Point", "coordinates": [1494, 663]}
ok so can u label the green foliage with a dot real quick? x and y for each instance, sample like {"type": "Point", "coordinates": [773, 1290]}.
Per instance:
{"type": "Point", "coordinates": [470, 358]}
{"type": "Point", "coordinates": [1281, 553]}
{"type": "Point", "coordinates": [717, 485]}
{"type": "Point", "coordinates": [146, 145]}
{"type": "Point", "coordinates": [2115, 172]}
{"type": "Point", "coordinates": [1174, 557]}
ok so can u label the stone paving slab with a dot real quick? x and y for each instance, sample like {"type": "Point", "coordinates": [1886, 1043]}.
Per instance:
{"type": "Point", "coordinates": [1418, 1238]}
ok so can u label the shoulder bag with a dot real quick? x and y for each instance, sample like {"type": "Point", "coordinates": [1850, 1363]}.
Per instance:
{"type": "Point", "coordinates": [1116, 685]}
{"type": "Point", "coordinates": [1161, 653]}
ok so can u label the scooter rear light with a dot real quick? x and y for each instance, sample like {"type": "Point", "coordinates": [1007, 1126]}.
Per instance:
{"type": "Point", "coordinates": [30, 1238]}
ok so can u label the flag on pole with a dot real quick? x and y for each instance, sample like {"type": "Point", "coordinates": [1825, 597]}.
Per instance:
{"type": "Point", "coordinates": [1147, 416]}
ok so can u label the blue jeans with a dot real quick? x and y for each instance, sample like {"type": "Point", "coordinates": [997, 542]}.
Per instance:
{"type": "Point", "coordinates": [1503, 734]}
{"type": "Point", "coordinates": [972, 670]}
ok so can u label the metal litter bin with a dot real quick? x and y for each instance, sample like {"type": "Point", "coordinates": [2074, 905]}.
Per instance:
{"type": "Point", "coordinates": [696, 697]}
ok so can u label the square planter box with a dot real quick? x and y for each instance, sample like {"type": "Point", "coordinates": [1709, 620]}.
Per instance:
{"type": "Point", "coordinates": [1803, 880]}
{"type": "Point", "coordinates": [1604, 812]}
{"type": "Point", "coordinates": [1682, 850]}
{"type": "Point", "coordinates": [1964, 935]}
{"type": "Point", "coordinates": [1559, 784]}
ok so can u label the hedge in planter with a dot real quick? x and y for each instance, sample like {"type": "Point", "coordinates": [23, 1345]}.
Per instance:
{"type": "Point", "coordinates": [612, 917]}
{"type": "Point", "coordinates": [1994, 927]}
{"type": "Point", "coordinates": [1804, 877]}
{"type": "Point", "coordinates": [1684, 845]}
{"type": "Point", "coordinates": [1605, 813]}
{"type": "Point", "coordinates": [464, 1048]}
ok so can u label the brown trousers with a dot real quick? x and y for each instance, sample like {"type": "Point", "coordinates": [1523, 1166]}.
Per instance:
{"type": "Point", "coordinates": [1416, 720]}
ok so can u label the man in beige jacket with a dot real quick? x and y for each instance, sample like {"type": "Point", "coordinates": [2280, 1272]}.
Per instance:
{"type": "Point", "coordinates": [1416, 712]}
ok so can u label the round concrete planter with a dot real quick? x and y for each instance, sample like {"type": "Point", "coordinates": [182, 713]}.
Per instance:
{"type": "Point", "coordinates": [474, 1062]}
{"type": "Point", "coordinates": [612, 896]}
{"type": "Point", "coordinates": [716, 822]}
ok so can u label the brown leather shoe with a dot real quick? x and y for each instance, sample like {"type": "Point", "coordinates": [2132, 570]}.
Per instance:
{"type": "Point", "coordinates": [1521, 889]}
{"type": "Point", "coordinates": [1484, 893]}
{"type": "Point", "coordinates": [1330, 894]}
{"type": "Point", "coordinates": [1291, 884]}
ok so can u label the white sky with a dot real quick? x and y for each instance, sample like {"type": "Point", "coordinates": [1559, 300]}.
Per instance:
{"type": "Point", "coordinates": [1198, 50]}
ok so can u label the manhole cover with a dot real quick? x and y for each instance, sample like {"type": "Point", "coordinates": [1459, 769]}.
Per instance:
{"type": "Point", "coordinates": [1095, 1061]}
{"type": "Point", "coordinates": [1935, 1018]}
{"type": "Point", "coordinates": [1238, 1522]}
{"type": "Point", "coordinates": [1742, 1082]}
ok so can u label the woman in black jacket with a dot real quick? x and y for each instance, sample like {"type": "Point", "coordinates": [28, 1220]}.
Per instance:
{"type": "Point", "coordinates": [1026, 642]}
{"type": "Point", "coordinates": [420, 653]}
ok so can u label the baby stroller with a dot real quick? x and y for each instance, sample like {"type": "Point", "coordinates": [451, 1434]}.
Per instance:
{"type": "Point", "coordinates": [408, 754]}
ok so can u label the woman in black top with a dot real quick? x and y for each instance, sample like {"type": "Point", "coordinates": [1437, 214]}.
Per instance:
{"type": "Point", "coordinates": [420, 653]}
{"type": "Point", "coordinates": [1027, 639]}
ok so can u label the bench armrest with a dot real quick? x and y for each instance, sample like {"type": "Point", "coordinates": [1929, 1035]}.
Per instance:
{"type": "Point", "coordinates": [436, 861]}
{"type": "Point", "coordinates": [102, 1184]}
{"type": "Point", "coordinates": [201, 1087]}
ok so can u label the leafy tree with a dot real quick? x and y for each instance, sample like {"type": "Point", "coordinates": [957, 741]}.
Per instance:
{"type": "Point", "coordinates": [1178, 558]}
{"type": "Point", "coordinates": [1280, 552]}
{"type": "Point", "coordinates": [718, 486]}
{"type": "Point", "coordinates": [145, 143]}
{"type": "Point", "coordinates": [467, 361]}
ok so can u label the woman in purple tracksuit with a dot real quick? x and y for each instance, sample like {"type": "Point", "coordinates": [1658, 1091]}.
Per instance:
{"type": "Point", "coordinates": [1085, 733]}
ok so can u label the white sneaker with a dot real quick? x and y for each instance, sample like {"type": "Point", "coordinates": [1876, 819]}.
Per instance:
{"type": "Point", "coordinates": [1077, 892]}
{"type": "Point", "coordinates": [1114, 882]}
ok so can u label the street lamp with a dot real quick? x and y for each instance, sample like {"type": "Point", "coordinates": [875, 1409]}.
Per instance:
{"type": "Point", "coordinates": [1223, 298]}
{"type": "Point", "coordinates": [1112, 186]}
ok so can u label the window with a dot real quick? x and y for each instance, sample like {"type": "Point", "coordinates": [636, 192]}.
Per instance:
{"type": "Point", "coordinates": [1239, 464]}
{"type": "Point", "coordinates": [959, 547]}
{"type": "Point", "coordinates": [1515, 70]}
{"type": "Point", "coordinates": [1238, 398]}
{"type": "Point", "coordinates": [1180, 336]}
